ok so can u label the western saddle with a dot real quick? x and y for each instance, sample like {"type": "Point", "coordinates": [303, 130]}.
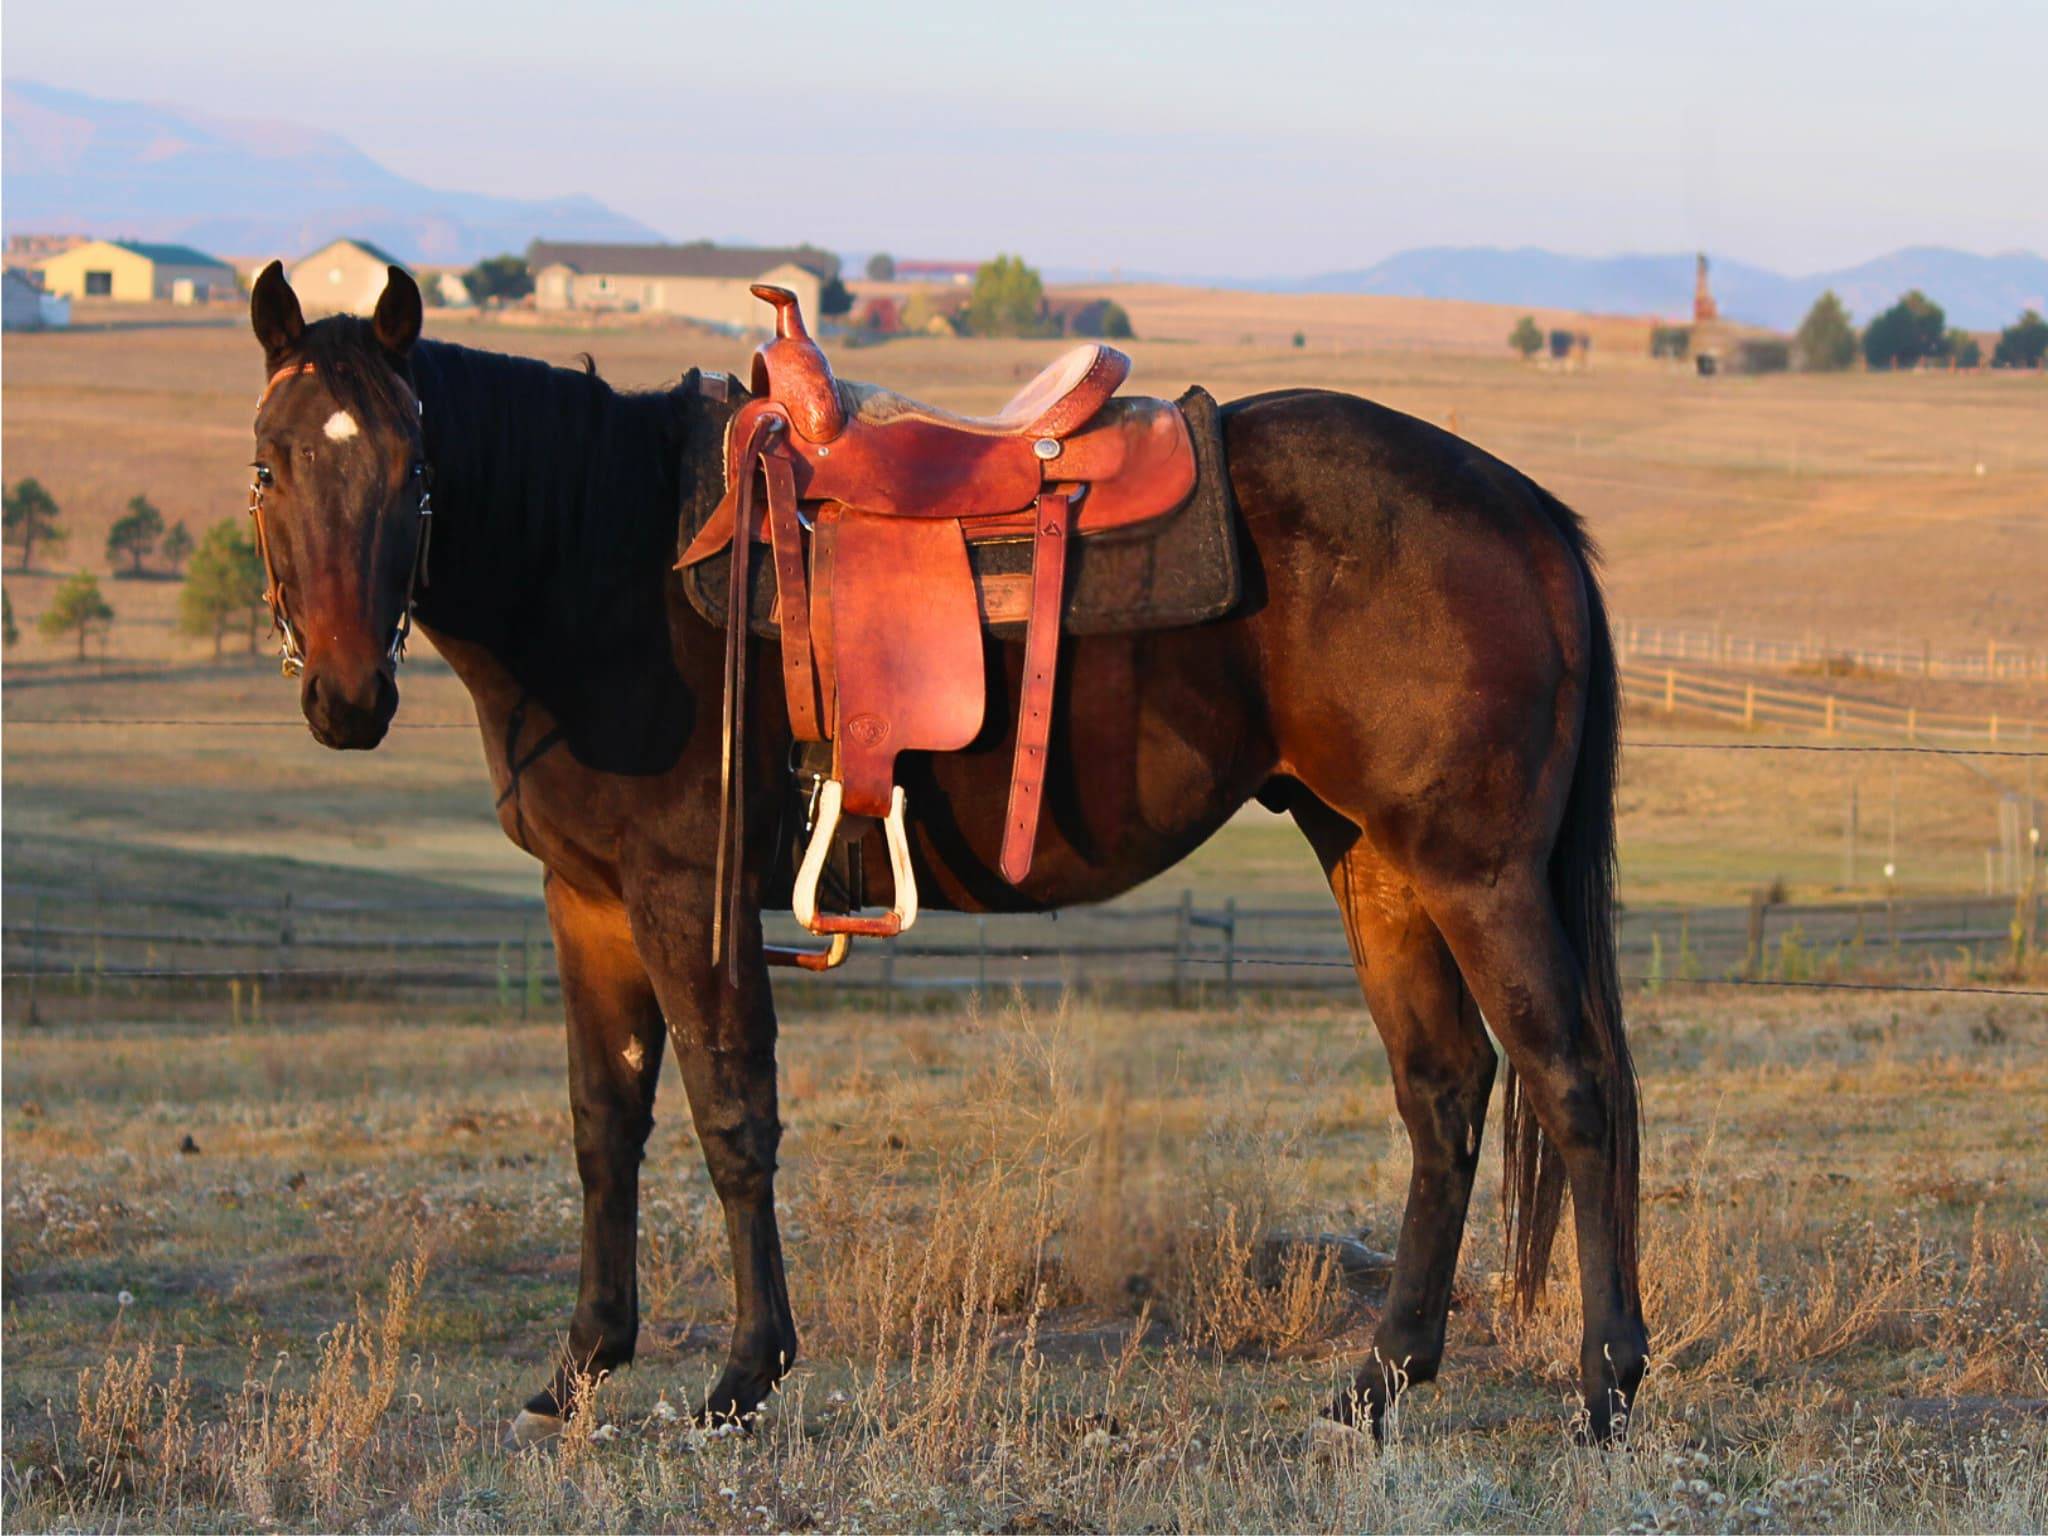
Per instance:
{"type": "Point", "coordinates": [879, 609]}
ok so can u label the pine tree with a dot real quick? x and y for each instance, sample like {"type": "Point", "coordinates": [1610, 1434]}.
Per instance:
{"type": "Point", "coordinates": [224, 584]}
{"type": "Point", "coordinates": [1826, 341]}
{"type": "Point", "coordinates": [135, 534]}
{"type": "Point", "coordinates": [31, 518]}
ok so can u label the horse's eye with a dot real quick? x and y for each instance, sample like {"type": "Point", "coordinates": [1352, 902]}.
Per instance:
{"type": "Point", "coordinates": [264, 477]}
{"type": "Point", "coordinates": [419, 468]}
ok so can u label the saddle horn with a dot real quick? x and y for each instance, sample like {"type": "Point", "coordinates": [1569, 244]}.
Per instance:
{"type": "Point", "coordinates": [792, 369]}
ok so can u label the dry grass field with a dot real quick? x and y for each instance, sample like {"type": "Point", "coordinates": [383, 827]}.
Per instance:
{"type": "Point", "coordinates": [1049, 1274]}
{"type": "Point", "coordinates": [1048, 1261]}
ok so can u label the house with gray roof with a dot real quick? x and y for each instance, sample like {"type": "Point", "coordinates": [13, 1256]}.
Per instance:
{"type": "Point", "coordinates": [700, 281]}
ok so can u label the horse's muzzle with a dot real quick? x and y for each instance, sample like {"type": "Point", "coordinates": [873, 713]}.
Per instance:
{"type": "Point", "coordinates": [350, 714]}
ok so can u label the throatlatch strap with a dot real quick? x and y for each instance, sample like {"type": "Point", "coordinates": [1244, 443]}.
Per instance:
{"type": "Point", "coordinates": [1034, 707]}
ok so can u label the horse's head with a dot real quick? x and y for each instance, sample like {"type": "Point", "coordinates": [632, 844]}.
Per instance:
{"type": "Point", "coordinates": [339, 497]}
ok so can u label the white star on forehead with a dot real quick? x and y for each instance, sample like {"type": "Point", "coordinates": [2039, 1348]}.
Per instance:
{"type": "Point", "coordinates": [341, 426]}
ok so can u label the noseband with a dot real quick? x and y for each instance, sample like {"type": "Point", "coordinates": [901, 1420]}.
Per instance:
{"type": "Point", "coordinates": [291, 647]}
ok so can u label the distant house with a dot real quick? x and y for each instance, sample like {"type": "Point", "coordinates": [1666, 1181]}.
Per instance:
{"type": "Point", "coordinates": [957, 272]}
{"type": "Point", "coordinates": [136, 271]}
{"type": "Point", "coordinates": [879, 313]}
{"type": "Point", "coordinates": [701, 281]}
{"type": "Point", "coordinates": [28, 308]}
{"type": "Point", "coordinates": [344, 276]}
{"type": "Point", "coordinates": [453, 290]}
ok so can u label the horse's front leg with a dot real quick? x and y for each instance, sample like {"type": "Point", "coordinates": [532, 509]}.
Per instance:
{"type": "Point", "coordinates": [615, 1040]}
{"type": "Point", "coordinates": [725, 1047]}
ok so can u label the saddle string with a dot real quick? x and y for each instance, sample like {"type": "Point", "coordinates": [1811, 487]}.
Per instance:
{"type": "Point", "coordinates": [291, 647]}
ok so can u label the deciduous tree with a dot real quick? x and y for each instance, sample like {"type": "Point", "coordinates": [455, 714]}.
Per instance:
{"type": "Point", "coordinates": [1910, 332]}
{"type": "Point", "coordinates": [77, 609]}
{"type": "Point", "coordinates": [1008, 299]}
{"type": "Point", "coordinates": [881, 268]}
{"type": "Point", "coordinates": [2023, 344]}
{"type": "Point", "coordinates": [1527, 336]}
{"type": "Point", "coordinates": [500, 279]}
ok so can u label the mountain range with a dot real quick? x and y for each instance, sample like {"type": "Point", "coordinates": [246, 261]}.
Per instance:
{"type": "Point", "coordinates": [244, 187]}
{"type": "Point", "coordinates": [1978, 292]}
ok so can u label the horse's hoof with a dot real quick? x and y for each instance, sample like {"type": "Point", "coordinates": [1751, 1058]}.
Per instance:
{"type": "Point", "coordinates": [531, 1428]}
{"type": "Point", "coordinates": [1330, 1441]}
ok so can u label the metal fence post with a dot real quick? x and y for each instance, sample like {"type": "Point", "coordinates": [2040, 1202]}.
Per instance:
{"type": "Point", "coordinates": [1230, 951]}
{"type": "Point", "coordinates": [35, 959]}
{"type": "Point", "coordinates": [525, 966]}
{"type": "Point", "coordinates": [287, 934]}
{"type": "Point", "coordinates": [1183, 935]}
{"type": "Point", "coordinates": [1759, 903]}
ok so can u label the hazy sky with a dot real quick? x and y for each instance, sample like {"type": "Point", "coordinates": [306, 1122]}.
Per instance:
{"type": "Point", "coordinates": [1195, 138]}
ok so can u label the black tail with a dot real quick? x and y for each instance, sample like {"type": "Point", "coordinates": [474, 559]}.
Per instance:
{"type": "Point", "coordinates": [1582, 880]}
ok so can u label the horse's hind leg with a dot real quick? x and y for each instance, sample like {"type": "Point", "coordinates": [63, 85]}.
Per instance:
{"type": "Point", "coordinates": [1512, 948]}
{"type": "Point", "coordinates": [1442, 1068]}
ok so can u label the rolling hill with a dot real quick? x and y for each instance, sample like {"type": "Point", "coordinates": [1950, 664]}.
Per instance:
{"type": "Point", "coordinates": [241, 186]}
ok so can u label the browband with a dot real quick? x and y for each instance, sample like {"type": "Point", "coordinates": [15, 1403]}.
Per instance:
{"type": "Point", "coordinates": [277, 378]}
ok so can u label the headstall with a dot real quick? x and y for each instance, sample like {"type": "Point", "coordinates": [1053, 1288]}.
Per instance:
{"type": "Point", "coordinates": [291, 647]}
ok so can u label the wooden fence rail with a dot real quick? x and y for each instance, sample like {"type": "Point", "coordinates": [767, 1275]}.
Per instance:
{"type": "Point", "coordinates": [94, 950]}
{"type": "Point", "coordinates": [1672, 691]}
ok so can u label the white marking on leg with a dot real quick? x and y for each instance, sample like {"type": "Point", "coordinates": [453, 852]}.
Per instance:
{"type": "Point", "coordinates": [634, 1054]}
{"type": "Point", "coordinates": [341, 427]}
{"type": "Point", "coordinates": [531, 1428]}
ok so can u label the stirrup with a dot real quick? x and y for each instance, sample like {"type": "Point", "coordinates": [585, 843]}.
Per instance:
{"type": "Point", "coordinates": [804, 901]}
{"type": "Point", "coordinates": [827, 959]}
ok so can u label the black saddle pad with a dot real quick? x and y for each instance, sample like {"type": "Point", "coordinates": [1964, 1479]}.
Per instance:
{"type": "Point", "coordinates": [1174, 570]}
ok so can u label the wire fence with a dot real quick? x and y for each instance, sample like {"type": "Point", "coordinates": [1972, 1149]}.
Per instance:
{"type": "Point", "coordinates": [1995, 661]}
{"type": "Point", "coordinates": [67, 947]}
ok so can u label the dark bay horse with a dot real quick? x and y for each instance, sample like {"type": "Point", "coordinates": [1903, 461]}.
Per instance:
{"type": "Point", "coordinates": [1420, 673]}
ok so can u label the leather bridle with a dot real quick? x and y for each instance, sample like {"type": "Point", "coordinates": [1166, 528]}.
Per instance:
{"type": "Point", "coordinates": [291, 647]}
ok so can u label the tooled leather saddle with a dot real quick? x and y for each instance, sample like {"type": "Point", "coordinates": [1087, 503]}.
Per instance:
{"type": "Point", "coordinates": [867, 503]}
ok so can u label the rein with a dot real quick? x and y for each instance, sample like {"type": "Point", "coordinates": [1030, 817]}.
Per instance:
{"type": "Point", "coordinates": [291, 646]}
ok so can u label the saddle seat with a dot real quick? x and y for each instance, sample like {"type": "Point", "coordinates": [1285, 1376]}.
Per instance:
{"type": "Point", "coordinates": [871, 499]}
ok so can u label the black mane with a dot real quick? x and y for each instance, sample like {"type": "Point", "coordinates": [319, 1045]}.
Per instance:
{"type": "Point", "coordinates": [556, 503]}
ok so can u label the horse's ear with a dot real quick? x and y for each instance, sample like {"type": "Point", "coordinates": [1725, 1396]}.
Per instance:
{"type": "Point", "coordinates": [274, 314]}
{"type": "Point", "coordinates": [399, 312]}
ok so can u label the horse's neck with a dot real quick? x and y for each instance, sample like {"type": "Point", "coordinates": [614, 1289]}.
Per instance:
{"type": "Point", "coordinates": [545, 481]}
{"type": "Point", "coordinates": [555, 507]}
